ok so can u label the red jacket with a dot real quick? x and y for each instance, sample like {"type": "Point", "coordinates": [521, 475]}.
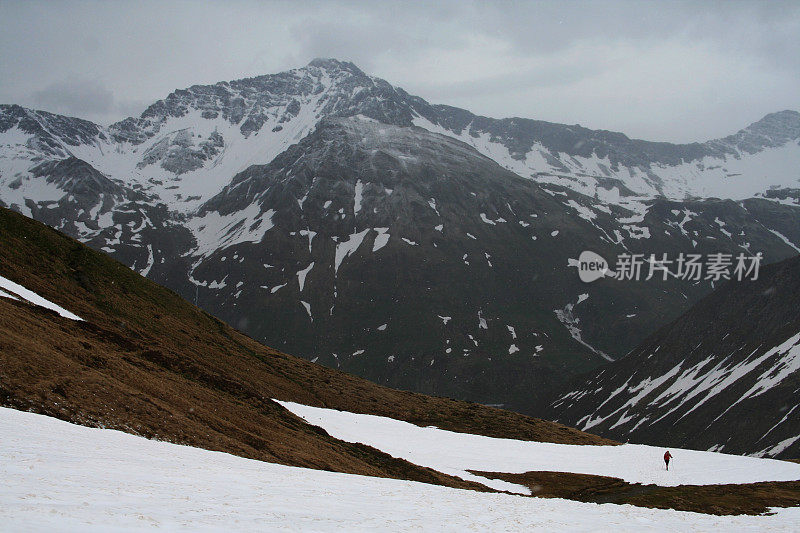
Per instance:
{"type": "Point", "coordinates": [667, 456]}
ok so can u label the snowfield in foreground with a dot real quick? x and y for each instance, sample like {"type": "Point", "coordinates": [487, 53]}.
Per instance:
{"type": "Point", "coordinates": [454, 453]}
{"type": "Point", "coordinates": [63, 477]}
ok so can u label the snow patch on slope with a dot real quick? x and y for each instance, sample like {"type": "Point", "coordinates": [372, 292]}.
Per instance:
{"type": "Point", "coordinates": [454, 453]}
{"type": "Point", "coordinates": [16, 291]}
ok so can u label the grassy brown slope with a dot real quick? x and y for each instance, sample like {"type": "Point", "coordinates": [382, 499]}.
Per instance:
{"type": "Point", "coordinates": [83, 374]}
{"type": "Point", "coordinates": [148, 362]}
{"type": "Point", "coordinates": [749, 498]}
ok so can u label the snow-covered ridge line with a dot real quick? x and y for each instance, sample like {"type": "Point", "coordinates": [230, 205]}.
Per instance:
{"type": "Point", "coordinates": [185, 148]}
{"type": "Point", "coordinates": [9, 289]}
{"type": "Point", "coordinates": [724, 172]}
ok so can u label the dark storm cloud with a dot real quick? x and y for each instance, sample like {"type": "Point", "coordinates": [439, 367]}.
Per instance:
{"type": "Point", "coordinates": [664, 70]}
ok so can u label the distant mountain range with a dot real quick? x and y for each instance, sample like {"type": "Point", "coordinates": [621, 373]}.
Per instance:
{"type": "Point", "coordinates": [327, 212]}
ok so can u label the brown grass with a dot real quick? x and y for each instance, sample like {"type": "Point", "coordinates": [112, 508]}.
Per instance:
{"type": "Point", "coordinates": [750, 498]}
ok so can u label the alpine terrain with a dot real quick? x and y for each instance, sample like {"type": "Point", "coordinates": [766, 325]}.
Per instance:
{"type": "Point", "coordinates": [85, 339]}
{"type": "Point", "coordinates": [331, 214]}
{"type": "Point", "coordinates": [241, 436]}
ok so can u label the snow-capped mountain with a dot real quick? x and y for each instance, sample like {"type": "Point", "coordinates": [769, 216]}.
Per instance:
{"type": "Point", "coordinates": [185, 148]}
{"type": "Point", "coordinates": [723, 377]}
{"type": "Point", "coordinates": [327, 212]}
{"type": "Point", "coordinates": [616, 169]}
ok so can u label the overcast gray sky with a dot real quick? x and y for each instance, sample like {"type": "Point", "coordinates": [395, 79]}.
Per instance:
{"type": "Point", "coordinates": [674, 71]}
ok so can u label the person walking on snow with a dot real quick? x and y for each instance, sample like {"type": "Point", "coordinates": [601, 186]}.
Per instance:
{"type": "Point", "coordinates": [667, 457]}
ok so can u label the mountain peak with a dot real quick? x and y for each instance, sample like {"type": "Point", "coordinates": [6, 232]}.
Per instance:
{"type": "Point", "coordinates": [786, 122]}
{"type": "Point", "coordinates": [332, 64]}
{"type": "Point", "coordinates": [773, 130]}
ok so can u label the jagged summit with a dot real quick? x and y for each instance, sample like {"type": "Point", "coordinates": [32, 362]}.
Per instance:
{"type": "Point", "coordinates": [332, 64]}
{"type": "Point", "coordinates": [775, 129]}
{"type": "Point", "coordinates": [325, 87]}
{"type": "Point", "coordinates": [788, 118]}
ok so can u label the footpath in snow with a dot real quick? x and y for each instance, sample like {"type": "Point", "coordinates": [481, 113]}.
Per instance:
{"type": "Point", "coordinates": [455, 453]}
{"type": "Point", "coordinates": [63, 477]}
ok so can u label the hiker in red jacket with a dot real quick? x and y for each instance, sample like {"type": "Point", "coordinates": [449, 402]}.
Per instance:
{"type": "Point", "coordinates": [667, 457]}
